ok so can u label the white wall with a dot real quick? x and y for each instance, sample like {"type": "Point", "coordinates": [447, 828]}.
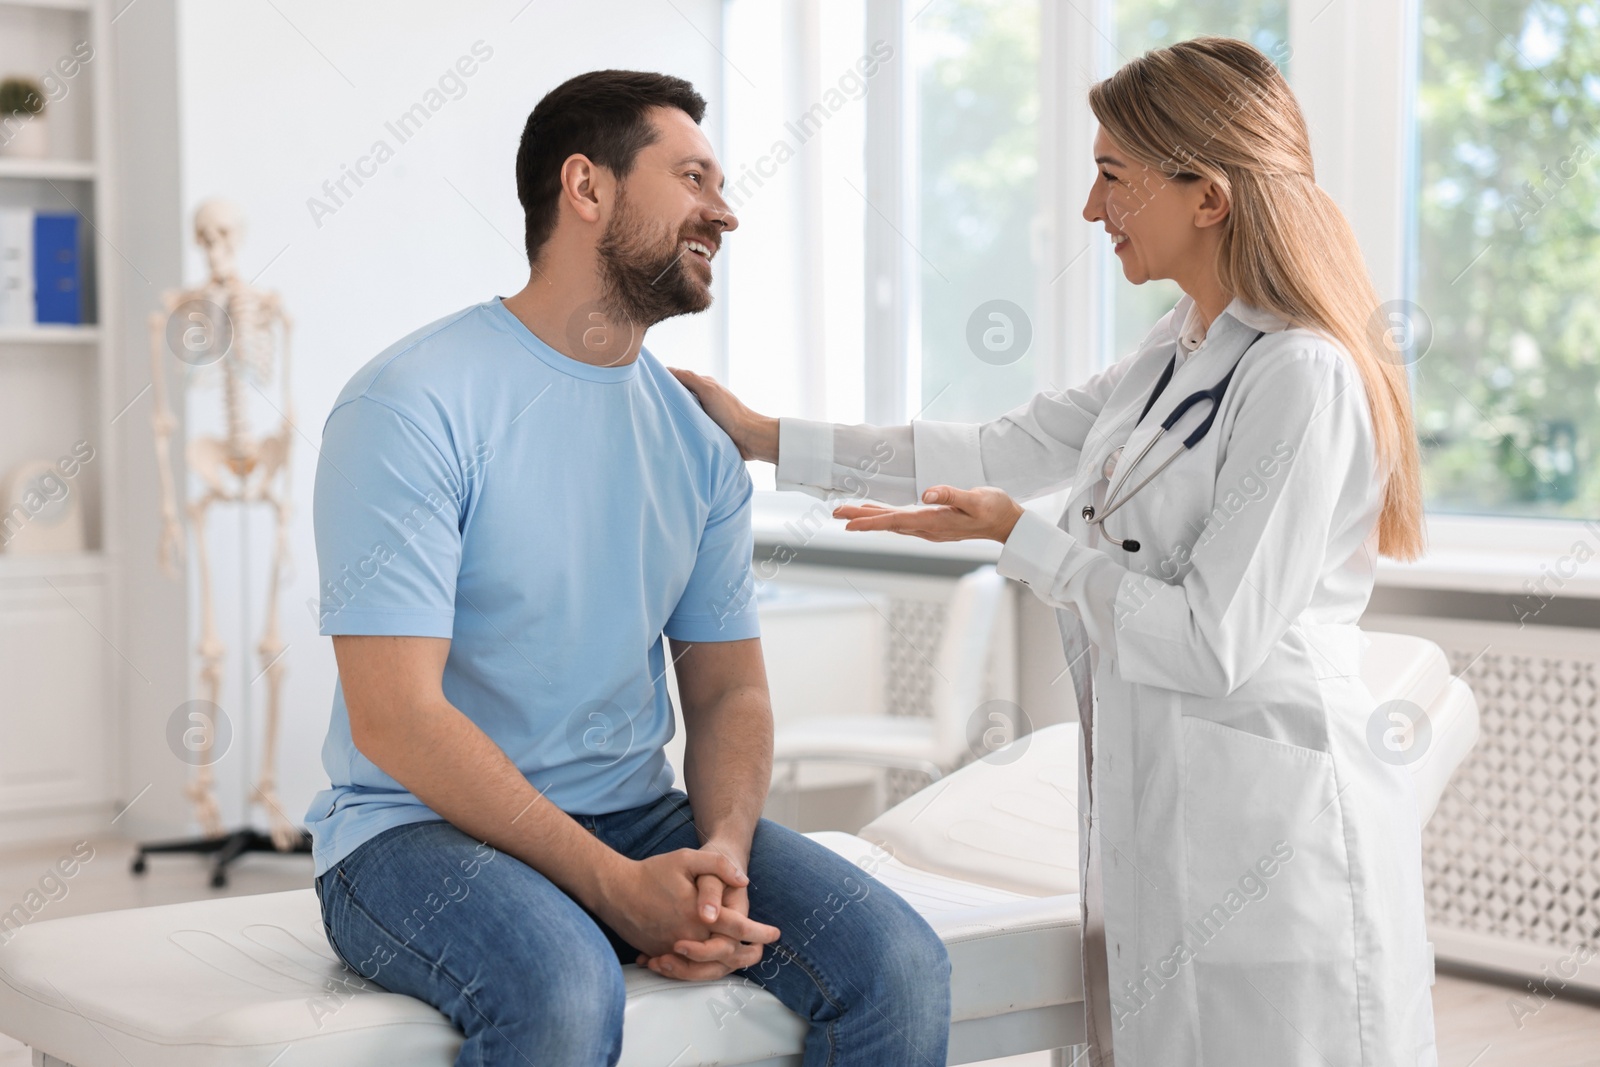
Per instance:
{"type": "Point", "coordinates": [275, 99]}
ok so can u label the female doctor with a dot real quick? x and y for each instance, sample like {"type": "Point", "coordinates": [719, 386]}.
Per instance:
{"type": "Point", "coordinates": [1250, 867]}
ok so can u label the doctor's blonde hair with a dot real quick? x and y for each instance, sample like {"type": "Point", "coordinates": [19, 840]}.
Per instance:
{"type": "Point", "coordinates": [1217, 108]}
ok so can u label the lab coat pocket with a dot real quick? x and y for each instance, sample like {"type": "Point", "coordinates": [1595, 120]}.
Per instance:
{"type": "Point", "coordinates": [1267, 902]}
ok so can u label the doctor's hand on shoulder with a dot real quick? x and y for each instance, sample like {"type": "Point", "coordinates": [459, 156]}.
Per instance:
{"type": "Point", "coordinates": [755, 435]}
{"type": "Point", "coordinates": [984, 513]}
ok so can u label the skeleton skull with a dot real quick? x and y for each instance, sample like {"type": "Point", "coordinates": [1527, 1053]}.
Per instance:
{"type": "Point", "coordinates": [219, 229]}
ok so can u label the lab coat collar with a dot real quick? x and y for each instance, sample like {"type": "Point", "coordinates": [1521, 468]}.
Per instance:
{"type": "Point", "coordinates": [1230, 336]}
{"type": "Point", "coordinates": [1237, 309]}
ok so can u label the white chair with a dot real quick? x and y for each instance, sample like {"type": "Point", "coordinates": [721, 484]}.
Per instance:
{"type": "Point", "coordinates": [962, 682]}
{"type": "Point", "coordinates": [988, 856]}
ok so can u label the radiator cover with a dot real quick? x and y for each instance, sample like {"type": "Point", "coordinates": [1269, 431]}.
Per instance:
{"type": "Point", "coordinates": [1511, 859]}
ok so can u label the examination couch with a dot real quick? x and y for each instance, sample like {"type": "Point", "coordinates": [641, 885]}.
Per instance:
{"type": "Point", "coordinates": [988, 854]}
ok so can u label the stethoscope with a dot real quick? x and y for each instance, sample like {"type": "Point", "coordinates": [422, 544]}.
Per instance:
{"type": "Point", "coordinates": [1113, 502]}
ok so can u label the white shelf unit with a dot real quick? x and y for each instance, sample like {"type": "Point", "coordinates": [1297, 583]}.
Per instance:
{"type": "Point", "coordinates": [59, 717]}
{"type": "Point", "coordinates": [51, 5]}
{"type": "Point", "coordinates": [45, 169]}
{"type": "Point", "coordinates": [49, 335]}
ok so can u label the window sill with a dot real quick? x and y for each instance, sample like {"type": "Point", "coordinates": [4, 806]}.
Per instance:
{"type": "Point", "coordinates": [1522, 557]}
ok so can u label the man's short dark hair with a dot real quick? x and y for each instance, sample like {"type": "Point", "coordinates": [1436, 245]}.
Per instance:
{"type": "Point", "coordinates": [603, 115]}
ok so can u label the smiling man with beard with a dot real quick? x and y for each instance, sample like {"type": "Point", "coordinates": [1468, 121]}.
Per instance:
{"type": "Point", "coordinates": [503, 833]}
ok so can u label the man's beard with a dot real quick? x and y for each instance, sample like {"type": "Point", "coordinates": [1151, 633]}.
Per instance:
{"type": "Point", "coordinates": [643, 276]}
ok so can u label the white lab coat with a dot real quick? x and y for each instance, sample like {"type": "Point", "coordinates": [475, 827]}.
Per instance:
{"type": "Point", "coordinates": [1259, 869]}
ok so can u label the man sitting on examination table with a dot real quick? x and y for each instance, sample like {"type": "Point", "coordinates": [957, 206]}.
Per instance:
{"type": "Point", "coordinates": [513, 505]}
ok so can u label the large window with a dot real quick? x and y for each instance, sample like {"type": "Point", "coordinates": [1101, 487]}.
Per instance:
{"type": "Point", "coordinates": [793, 140]}
{"type": "Point", "coordinates": [922, 255]}
{"type": "Point", "coordinates": [1506, 265]}
{"type": "Point", "coordinates": [945, 183]}
{"type": "Point", "coordinates": [958, 207]}
{"type": "Point", "coordinates": [977, 111]}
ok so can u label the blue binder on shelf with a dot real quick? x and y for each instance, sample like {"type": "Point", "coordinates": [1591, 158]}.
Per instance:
{"type": "Point", "coordinates": [57, 274]}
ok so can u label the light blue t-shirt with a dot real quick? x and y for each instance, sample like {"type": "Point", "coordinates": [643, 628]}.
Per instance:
{"type": "Point", "coordinates": [553, 519]}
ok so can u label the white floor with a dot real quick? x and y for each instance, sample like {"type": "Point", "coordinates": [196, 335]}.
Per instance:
{"type": "Point", "coordinates": [1475, 1028]}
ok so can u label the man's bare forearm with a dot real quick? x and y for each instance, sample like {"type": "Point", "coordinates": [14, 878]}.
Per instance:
{"type": "Point", "coordinates": [454, 768]}
{"type": "Point", "coordinates": [727, 766]}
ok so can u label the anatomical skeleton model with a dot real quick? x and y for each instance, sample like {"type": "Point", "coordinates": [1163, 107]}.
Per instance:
{"type": "Point", "coordinates": [226, 330]}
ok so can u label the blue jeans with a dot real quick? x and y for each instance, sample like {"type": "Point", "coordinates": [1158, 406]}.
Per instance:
{"type": "Point", "coordinates": [529, 976]}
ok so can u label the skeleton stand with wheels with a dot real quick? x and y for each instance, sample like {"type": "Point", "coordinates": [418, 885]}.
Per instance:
{"type": "Point", "coordinates": [226, 329]}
